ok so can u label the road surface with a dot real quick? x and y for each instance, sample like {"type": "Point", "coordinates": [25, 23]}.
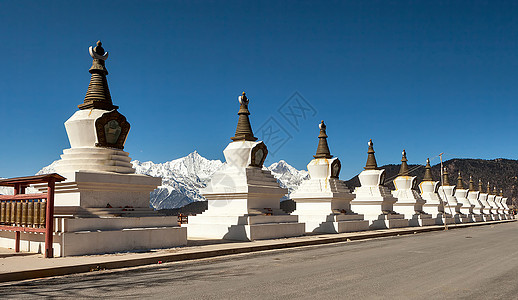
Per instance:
{"type": "Point", "coordinates": [475, 263]}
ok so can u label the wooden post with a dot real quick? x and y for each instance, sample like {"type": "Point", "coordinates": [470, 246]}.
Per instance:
{"type": "Point", "coordinates": [16, 233]}
{"type": "Point", "coordinates": [49, 224]}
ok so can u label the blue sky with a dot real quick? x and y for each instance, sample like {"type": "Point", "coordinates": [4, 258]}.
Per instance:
{"type": "Point", "coordinates": [425, 76]}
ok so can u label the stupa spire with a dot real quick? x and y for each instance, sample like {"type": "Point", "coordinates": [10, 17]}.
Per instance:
{"type": "Point", "coordinates": [244, 129]}
{"type": "Point", "coordinates": [323, 148]}
{"type": "Point", "coordinates": [501, 193]}
{"type": "Point", "coordinates": [480, 187]}
{"type": "Point", "coordinates": [371, 159]}
{"type": "Point", "coordinates": [446, 180]}
{"type": "Point", "coordinates": [471, 185]}
{"type": "Point", "coordinates": [488, 189]}
{"type": "Point", "coordinates": [98, 94]}
{"type": "Point", "coordinates": [428, 171]}
{"type": "Point", "coordinates": [495, 191]}
{"type": "Point", "coordinates": [403, 171]}
{"type": "Point", "coordinates": [460, 184]}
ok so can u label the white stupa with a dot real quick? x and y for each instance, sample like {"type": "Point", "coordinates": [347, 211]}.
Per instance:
{"type": "Point", "coordinates": [473, 194]}
{"type": "Point", "coordinates": [103, 205]}
{"type": "Point", "coordinates": [447, 194]}
{"type": "Point", "coordinates": [506, 207]}
{"type": "Point", "coordinates": [409, 202]}
{"type": "Point", "coordinates": [486, 208]}
{"type": "Point", "coordinates": [461, 194]}
{"type": "Point", "coordinates": [374, 200]}
{"type": "Point", "coordinates": [499, 209]}
{"type": "Point", "coordinates": [323, 201]}
{"type": "Point", "coordinates": [433, 204]}
{"type": "Point", "coordinates": [491, 195]}
{"type": "Point", "coordinates": [243, 198]}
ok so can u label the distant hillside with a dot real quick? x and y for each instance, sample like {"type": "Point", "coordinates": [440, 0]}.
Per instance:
{"type": "Point", "coordinates": [500, 172]}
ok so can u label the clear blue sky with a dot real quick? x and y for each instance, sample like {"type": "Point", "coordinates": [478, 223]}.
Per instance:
{"type": "Point", "coordinates": [427, 76]}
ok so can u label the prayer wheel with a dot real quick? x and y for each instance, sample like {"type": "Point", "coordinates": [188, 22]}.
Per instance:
{"type": "Point", "coordinates": [36, 217]}
{"type": "Point", "coordinates": [2, 212]}
{"type": "Point", "coordinates": [24, 213]}
{"type": "Point", "coordinates": [30, 213]}
{"type": "Point", "coordinates": [8, 212]}
{"type": "Point", "coordinates": [18, 213]}
{"type": "Point", "coordinates": [13, 212]}
{"type": "Point", "coordinates": [43, 208]}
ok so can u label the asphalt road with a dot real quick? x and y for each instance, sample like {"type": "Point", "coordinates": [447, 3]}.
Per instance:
{"type": "Point", "coordinates": [475, 263]}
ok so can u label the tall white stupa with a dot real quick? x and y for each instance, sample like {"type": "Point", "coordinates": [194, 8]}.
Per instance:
{"type": "Point", "coordinates": [473, 194]}
{"type": "Point", "coordinates": [483, 201]}
{"type": "Point", "coordinates": [409, 202]}
{"type": "Point", "coordinates": [323, 201]}
{"type": "Point", "coordinates": [506, 207]}
{"type": "Point", "coordinates": [461, 194]}
{"type": "Point", "coordinates": [498, 202]}
{"type": "Point", "coordinates": [243, 198]}
{"type": "Point", "coordinates": [491, 195]}
{"type": "Point", "coordinates": [433, 204]}
{"type": "Point", "coordinates": [447, 194]}
{"type": "Point", "coordinates": [103, 206]}
{"type": "Point", "coordinates": [374, 200]}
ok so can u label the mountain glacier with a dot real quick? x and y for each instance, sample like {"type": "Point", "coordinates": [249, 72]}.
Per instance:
{"type": "Point", "coordinates": [183, 178]}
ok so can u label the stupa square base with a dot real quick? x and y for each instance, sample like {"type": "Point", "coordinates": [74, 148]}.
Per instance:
{"type": "Point", "coordinates": [83, 236]}
{"type": "Point", "coordinates": [496, 217]}
{"type": "Point", "coordinates": [421, 220]}
{"type": "Point", "coordinates": [487, 218]}
{"type": "Point", "coordinates": [478, 218]}
{"type": "Point", "coordinates": [98, 189]}
{"type": "Point", "coordinates": [244, 228]}
{"type": "Point", "coordinates": [386, 221]}
{"type": "Point", "coordinates": [462, 218]}
{"type": "Point", "coordinates": [334, 223]}
{"type": "Point", "coordinates": [444, 220]}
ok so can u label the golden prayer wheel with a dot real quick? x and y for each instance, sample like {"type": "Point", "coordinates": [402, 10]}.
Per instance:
{"type": "Point", "coordinates": [30, 213]}
{"type": "Point", "coordinates": [13, 212]}
{"type": "Point", "coordinates": [43, 208]}
{"type": "Point", "coordinates": [24, 213]}
{"type": "Point", "coordinates": [18, 213]}
{"type": "Point", "coordinates": [37, 214]}
{"type": "Point", "coordinates": [8, 212]}
{"type": "Point", "coordinates": [2, 212]}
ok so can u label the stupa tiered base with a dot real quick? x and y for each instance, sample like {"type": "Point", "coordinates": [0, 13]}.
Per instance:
{"type": "Point", "coordinates": [433, 204]}
{"type": "Point", "coordinates": [108, 234]}
{"type": "Point", "coordinates": [478, 218]}
{"type": "Point", "coordinates": [443, 218]}
{"type": "Point", "coordinates": [416, 219]}
{"type": "Point", "coordinates": [376, 202]}
{"type": "Point", "coordinates": [103, 212]}
{"type": "Point", "coordinates": [243, 200]}
{"type": "Point", "coordinates": [336, 222]}
{"type": "Point", "coordinates": [409, 202]}
{"type": "Point", "coordinates": [245, 227]}
{"type": "Point", "coordinates": [462, 218]}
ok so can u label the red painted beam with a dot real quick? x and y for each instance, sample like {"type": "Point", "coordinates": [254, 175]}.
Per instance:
{"type": "Point", "coordinates": [23, 197]}
{"type": "Point", "coordinates": [24, 229]}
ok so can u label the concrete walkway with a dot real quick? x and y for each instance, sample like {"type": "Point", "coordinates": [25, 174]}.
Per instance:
{"type": "Point", "coordinates": [21, 266]}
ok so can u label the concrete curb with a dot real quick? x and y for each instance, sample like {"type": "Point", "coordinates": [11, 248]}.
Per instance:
{"type": "Point", "coordinates": [229, 250]}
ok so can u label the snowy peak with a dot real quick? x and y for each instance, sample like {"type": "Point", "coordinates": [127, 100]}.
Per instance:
{"type": "Point", "coordinates": [287, 176]}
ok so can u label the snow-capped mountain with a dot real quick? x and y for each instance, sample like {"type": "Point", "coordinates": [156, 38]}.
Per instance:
{"type": "Point", "coordinates": [287, 176]}
{"type": "Point", "coordinates": [184, 177]}
{"type": "Point", "coordinates": [181, 179]}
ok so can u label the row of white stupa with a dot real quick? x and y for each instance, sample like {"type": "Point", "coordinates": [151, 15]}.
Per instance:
{"type": "Point", "coordinates": [103, 206]}
{"type": "Point", "coordinates": [244, 199]}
